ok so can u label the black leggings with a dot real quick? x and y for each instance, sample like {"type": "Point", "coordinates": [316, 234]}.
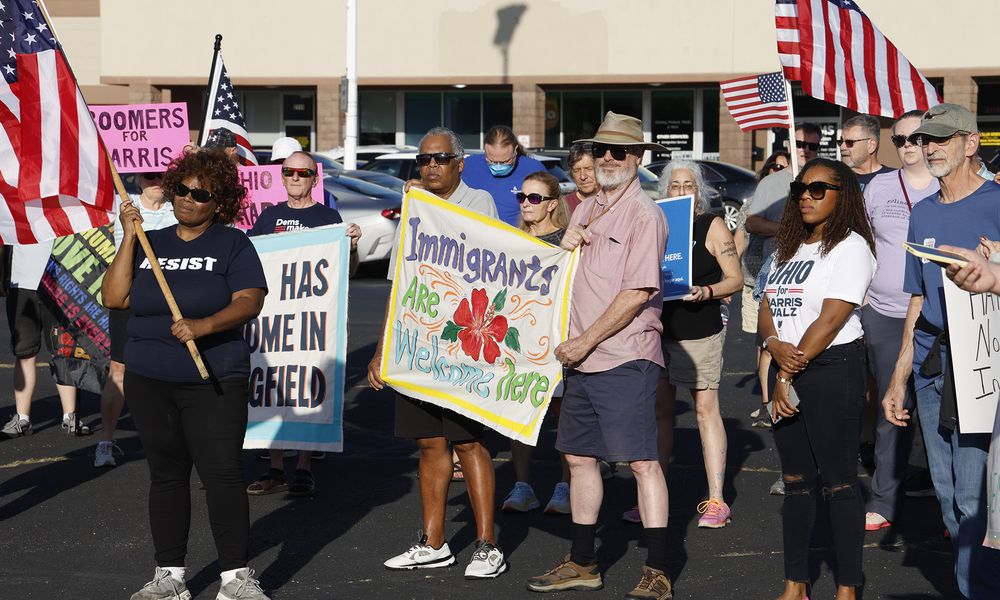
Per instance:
{"type": "Point", "coordinates": [181, 425]}
{"type": "Point", "coordinates": [821, 443]}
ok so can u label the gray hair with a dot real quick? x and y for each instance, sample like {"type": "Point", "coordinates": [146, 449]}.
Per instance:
{"type": "Point", "coordinates": [703, 189]}
{"type": "Point", "coordinates": [456, 142]}
{"type": "Point", "coordinates": [867, 123]}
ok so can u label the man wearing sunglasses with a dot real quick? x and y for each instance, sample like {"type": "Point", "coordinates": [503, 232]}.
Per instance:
{"type": "Point", "coordinates": [434, 428]}
{"type": "Point", "coordinates": [859, 147]}
{"type": "Point", "coordinates": [889, 198]}
{"type": "Point", "coordinates": [500, 170]}
{"type": "Point", "coordinates": [614, 357]}
{"type": "Point", "coordinates": [965, 209]}
{"type": "Point", "coordinates": [282, 148]}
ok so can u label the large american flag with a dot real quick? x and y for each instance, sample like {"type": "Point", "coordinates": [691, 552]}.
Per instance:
{"type": "Point", "coordinates": [224, 111]}
{"type": "Point", "coordinates": [839, 56]}
{"type": "Point", "coordinates": [757, 102]}
{"type": "Point", "coordinates": [54, 174]}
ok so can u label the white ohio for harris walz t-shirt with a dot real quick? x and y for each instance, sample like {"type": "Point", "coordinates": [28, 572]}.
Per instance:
{"type": "Point", "coordinates": [796, 289]}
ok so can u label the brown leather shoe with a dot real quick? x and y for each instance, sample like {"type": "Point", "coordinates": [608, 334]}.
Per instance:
{"type": "Point", "coordinates": [654, 585]}
{"type": "Point", "coordinates": [567, 575]}
{"type": "Point", "coordinates": [269, 483]}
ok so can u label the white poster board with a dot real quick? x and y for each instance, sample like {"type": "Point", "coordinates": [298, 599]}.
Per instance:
{"type": "Point", "coordinates": [973, 325]}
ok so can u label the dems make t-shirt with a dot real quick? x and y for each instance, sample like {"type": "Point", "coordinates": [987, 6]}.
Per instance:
{"type": "Point", "coordinates": [281, 218]}
{"type": "Point", "coordinates": [796, 289]}
{"type": "Point", "coordinates": [203, 274]}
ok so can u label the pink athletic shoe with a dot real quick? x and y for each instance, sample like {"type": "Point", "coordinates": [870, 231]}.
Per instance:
{"type": "Point", "coordinates": [714, 514]}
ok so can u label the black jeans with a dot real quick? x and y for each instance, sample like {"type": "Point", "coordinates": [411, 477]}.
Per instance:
{"type": "Point", "coordinates": [181, 425]}
{"type": "Point", "coordinates": [821, 444]}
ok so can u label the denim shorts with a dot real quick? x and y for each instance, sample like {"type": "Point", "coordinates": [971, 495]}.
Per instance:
{"type": "Point", "coordinates": [611, 414]}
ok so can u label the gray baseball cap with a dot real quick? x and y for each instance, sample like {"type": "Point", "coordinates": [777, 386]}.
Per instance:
{"type": "Point", "coordinates": [946, 120]}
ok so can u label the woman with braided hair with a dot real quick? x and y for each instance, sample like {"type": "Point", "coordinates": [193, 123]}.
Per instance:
{"type": "Point", "coordinates": [824, 262]}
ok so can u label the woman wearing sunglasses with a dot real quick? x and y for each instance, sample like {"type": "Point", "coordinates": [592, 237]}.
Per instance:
{"type": "Point", "coordinates": [693, 336]}
{"type": "Point", "coordinates": [824, 262]}
{"type": "Point", "coordinates": [545, 215]}
{"type": "Point", "coordinates": [216, 277]}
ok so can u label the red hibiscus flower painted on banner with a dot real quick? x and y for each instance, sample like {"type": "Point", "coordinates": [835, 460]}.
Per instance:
{"type": "Point", "coordinates": [479, 329]}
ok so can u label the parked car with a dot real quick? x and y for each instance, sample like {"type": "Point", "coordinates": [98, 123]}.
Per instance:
{"type": "Point", "coordinates": [366, 153]}
{"type": "Point", "coordinates": [329, 165]}
{"type": "Point", "coordinates": [377, 216]}
{"type": "Point", "coordinates": [731, 185]}
{"type": "Point", "coordinates": [383, 179]}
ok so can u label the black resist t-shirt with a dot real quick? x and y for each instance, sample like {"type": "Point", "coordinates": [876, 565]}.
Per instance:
{"type": "Point", "coordinates": [203, 274]}
{"type": "Point", "coordinates": [281, 218]}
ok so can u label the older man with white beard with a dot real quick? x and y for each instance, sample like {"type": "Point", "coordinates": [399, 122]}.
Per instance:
{"type": "Point", "coordinates": [614, 358]}
{"type": "Point", "coordinates": [966, 209]}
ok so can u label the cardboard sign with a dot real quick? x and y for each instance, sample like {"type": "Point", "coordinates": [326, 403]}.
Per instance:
{"type": "Point", "coordinates": [476, 312]}
{"type": "Point", "coordinates": [143, 138]}
{"type": "Point", "coordinates": [264, 188]}
{"type": "Point", "coordinates": [974, 345]}
{"type": "Point", "coordinates": [298, 342]}
{"type": "Point", "coordinates": [676, 268]}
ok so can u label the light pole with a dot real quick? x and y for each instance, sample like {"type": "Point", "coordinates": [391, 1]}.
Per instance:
{"type": "Point", "coordinates": [351, 133]}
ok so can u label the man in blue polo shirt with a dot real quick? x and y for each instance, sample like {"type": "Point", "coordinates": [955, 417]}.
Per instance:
{"type": "Point", "coordinates": [500, 170]}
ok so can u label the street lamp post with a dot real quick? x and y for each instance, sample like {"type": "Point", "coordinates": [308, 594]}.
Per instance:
{"type": "Point", "coordinates": [351, 133]}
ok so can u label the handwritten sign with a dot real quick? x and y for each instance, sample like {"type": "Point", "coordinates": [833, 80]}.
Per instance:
{"type": "Point", "coordinates": [676, 267]}
{"type": "Point", "coordinates": [298, 343]}
{"type": "Point", "coordinates": [476, 311]}
{"type": "Point", "coordinates": [143, 138]}
{"type": "Point", "coordinates": [974, 344]}
{"type": "Point", "coordinates": [264, 188]}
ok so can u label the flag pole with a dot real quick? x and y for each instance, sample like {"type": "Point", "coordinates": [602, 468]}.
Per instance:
{"type": "Point", "coordinates": [793, 152]}
{"type": "Point", "coordinates": [212, 86]}
{"type": "Point", "coordinates": [175, 310]}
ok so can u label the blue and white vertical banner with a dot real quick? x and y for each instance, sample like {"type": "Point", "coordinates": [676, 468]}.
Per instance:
{"type": "Point", "coordinates": [676, 267]}
{"type": "Point", "coordinates": [298, 343]}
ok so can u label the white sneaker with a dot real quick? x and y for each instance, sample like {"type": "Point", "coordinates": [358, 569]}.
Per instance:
{"type": "Point", "coordinates": [422, 556]}
{"type": "Point", "coordinates": [521, 499]}
{"type": "Point", "coordinates": [104, 456]}
{"type": "Point", "coordinates": [487, 562]}
{"type": "Point", "coordinates": [559, 504]}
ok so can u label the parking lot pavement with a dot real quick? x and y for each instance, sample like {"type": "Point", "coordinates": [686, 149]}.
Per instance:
{"type": "Point", "coordinates": [70, 529]}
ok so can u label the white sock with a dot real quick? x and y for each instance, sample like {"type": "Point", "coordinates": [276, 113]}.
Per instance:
{"type": "Point", "coordinates": [21, 417]}
{"type": "Point", "coordinates": [228, 576]}
{"type": "Point", "coordinates": [176, 572]}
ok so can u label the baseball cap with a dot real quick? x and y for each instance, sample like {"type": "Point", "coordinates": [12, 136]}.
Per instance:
{"type": "Point", "coordinates": [220, 138]}
{"type": "Point", "coordinates": [946, 120]}
{"type": "Point", "coordinates": [284, 147]}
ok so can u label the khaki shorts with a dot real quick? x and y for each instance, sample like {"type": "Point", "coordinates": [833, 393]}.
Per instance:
{"type": "Point", "coordinates": [749, 308]}
{"type": "Point", "coordinates": [695, 364]}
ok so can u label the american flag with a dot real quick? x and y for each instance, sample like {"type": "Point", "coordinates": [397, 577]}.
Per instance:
{"type": "Point", "coordinates": [757, 102]}
{"type": "Point", "coordinates": [54, 174]}
{"type": "Point", "coordinates": [839, 56]}
{"type": "Point", "coordinates": [224, 111]}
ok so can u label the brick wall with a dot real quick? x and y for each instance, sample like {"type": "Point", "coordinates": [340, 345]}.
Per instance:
{"type": "Point", "coordinates": [529, 113]}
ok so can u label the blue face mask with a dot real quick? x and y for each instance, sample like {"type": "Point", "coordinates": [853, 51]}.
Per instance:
{"type": "Point", "coordinates": [500, 170]}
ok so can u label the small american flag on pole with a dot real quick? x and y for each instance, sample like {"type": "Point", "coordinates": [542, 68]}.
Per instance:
{"type": "Point", "coordinates": [839, 56]}
{"type": "Point", "coordinates": [55, 179]}
{"type": "Point", "coordinates": [757, 102]}
{"type": "Point", "coordinates": [223, 111]}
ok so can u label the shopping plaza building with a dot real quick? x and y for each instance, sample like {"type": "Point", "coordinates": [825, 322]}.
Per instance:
{"type": "Point", "coordinates": [549, 68]}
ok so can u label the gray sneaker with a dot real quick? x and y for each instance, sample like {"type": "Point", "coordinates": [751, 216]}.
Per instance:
{"type": "Point", "coordinates": [777, 488]}
{"type": "Point", "coordinates": [17, 427]}
{"type": "Point", "coordinates": [244, 586]}
{"type": "Point", "coordinates": [71, 425]}
{"type": "Point", "coordinates": [162, 587]}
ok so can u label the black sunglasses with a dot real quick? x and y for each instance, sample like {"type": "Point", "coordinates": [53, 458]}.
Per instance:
{"type": "Point", "coordinates": [617, 152]}
{"type": "Point", "coordinates": [850, 143]}
{"type": "Point", "coordinates": [817, 189]}
{"type": "Point", "coordinates": [291, 172]}
{"type": "Point", "coordinates": [814, 146]}
{"type": "Point", "coordinates": [441, 158]}
{"type": "Point", "coordinates": [152, 176]}
{"type": "Point", "coordinates": [899, 140]}
{"type": "Point", "coordinates": [198, 194]}
{"type": "Point", "coordinates": [532, 198]}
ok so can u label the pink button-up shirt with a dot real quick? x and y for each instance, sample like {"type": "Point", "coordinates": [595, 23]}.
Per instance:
{"type": "Point", "coordinates": [625, 253]}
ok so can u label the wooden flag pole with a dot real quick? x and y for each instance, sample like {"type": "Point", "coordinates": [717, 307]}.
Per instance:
{"type": "Point", "coordinates": [793, 151]}
{"type": "Point", "coordinates": [175, 310]}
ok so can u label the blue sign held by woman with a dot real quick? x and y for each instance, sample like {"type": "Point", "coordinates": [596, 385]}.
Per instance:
{"type": "Point", "coordinates": [676, 267]}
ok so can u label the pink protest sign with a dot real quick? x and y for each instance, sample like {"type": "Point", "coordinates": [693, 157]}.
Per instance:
{"type": "Point", "coordinates": [143, 138]}
{"type": "Point", "coordinates": [264, 189]}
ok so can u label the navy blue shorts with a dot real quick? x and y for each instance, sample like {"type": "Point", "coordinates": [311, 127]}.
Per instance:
{"type": "Point", "coordinates": [611, 414]}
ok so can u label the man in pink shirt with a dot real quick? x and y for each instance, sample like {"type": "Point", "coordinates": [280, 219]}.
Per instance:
{"type": "Point", "coordinates": [614, 358]}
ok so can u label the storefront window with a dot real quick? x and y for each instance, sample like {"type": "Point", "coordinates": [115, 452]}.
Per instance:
{"type": "Point", "coordinates": [377, 118]}
{"type": "Point", "coordinates": [623, 103]}
{"type": "Point", "coordinates": [581, 115]}
{"type": "Point", "coordinates": [710, 120]}
{"type": "Point", "coordinates": [498, 109]}
{"type": "Point", "coordinates": [553, 103]}
{"type": "Point", "coordinates": [988, 115]}
{"type": "Point", "coordinates": [673, 121]}
{"type": "Point", "coordinates": [461, 115]}
{"type": "Point", "coordinates": [423, 111]}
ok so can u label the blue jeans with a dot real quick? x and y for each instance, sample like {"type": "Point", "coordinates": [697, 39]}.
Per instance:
{"type": "Point", "coordinates": [958, 468]}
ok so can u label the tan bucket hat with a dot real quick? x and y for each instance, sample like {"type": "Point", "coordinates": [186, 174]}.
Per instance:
{"type": "Point", "coordinates": [621, 130]}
